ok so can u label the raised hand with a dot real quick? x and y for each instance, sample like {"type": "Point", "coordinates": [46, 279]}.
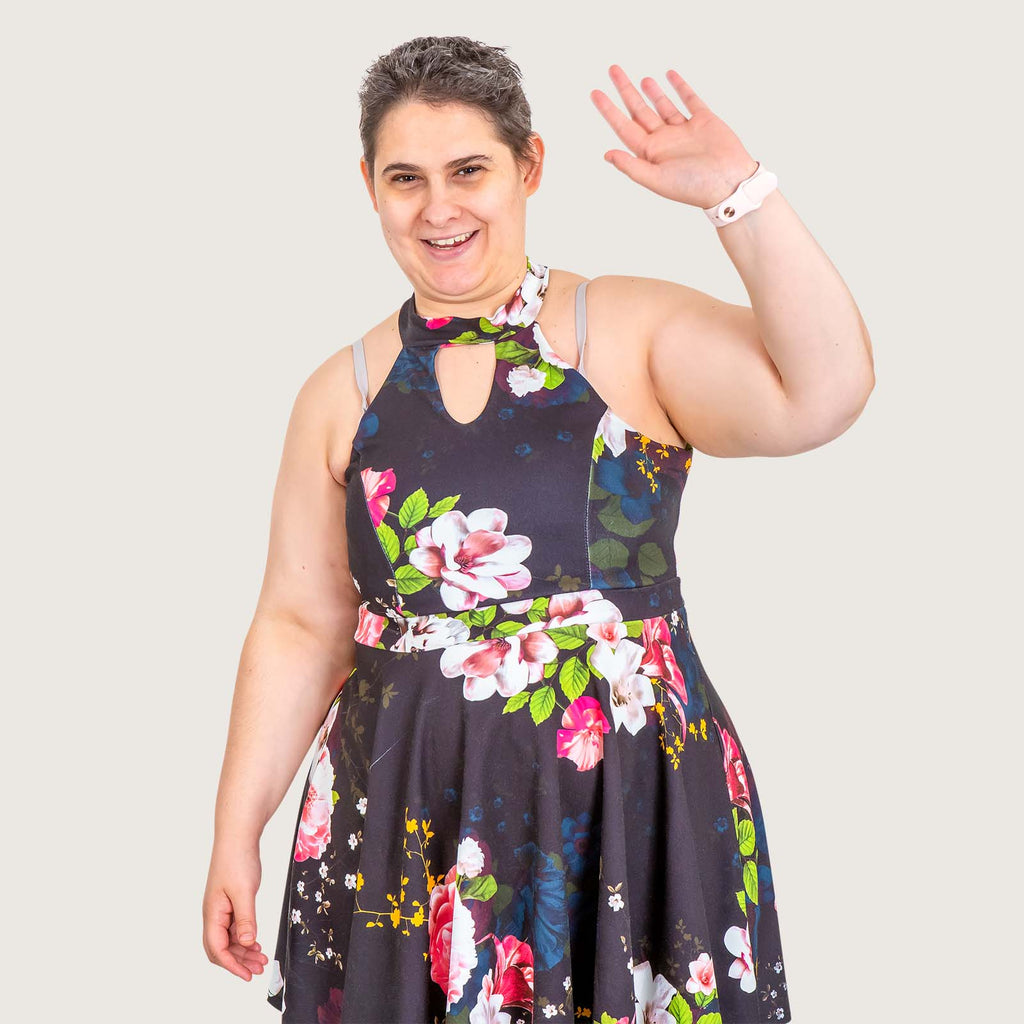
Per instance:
{"type": "Point", "coordinates": [696, 160]}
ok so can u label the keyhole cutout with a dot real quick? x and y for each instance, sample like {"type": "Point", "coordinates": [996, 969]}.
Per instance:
{"type": "Point", "coordinates": [465, 379]}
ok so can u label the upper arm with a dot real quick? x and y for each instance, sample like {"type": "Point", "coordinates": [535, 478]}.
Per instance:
{"type": "Point", "coordinates": [307, 579]}
{"type": "Point", "coordinates": [715, 379]}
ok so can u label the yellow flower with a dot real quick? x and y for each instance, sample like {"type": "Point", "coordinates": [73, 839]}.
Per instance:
{"type": "Point", "coordinates": [411, 825]}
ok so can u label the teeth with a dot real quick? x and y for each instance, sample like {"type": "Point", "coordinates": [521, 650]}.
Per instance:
{"type": "Point", "coordinates": [451, 241]}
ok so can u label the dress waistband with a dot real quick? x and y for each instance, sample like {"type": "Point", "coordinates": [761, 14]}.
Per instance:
{"type": "Point", "coordinates": [565, 614]}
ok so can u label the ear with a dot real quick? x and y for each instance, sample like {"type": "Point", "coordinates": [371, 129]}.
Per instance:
{"type": "Point", "coordinates": [368, 181]}
{"type": "Point", "coordinates": [535, 170]}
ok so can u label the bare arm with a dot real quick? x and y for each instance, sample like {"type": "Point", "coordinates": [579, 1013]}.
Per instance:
{"type": "Point", "coordinates": [297, 653]}
{"type": "Point", "coordinates": [789, 374]}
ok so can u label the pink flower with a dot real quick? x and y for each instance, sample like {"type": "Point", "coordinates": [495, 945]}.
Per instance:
{"type": "Point", "coordinates": [702, 975]}
{"type": "Point", "coordinates": [631, 692]}
{"type": "Point", "coordinates": [568, 609]}
{"type": "Point", "coordinates": [370, 626]}
{"type": "Point", "coordinates": [451, 941]}
{"type": "Point", "coordinates": [314, 831]}
{"type": "Point", "coordinates": [653, 995]}
{"type": "Point", "coordinates": [659, 660]}
{"type": "Point", "coordinates": [488, 1005]}
{"type": "Point", "coordinates": [737, 941]}
{"type": "Point", "coordinates": [330, 1012]}
{"type": "Point", "coordinates": [469, 858]}
{"type": "Point", "coordinates": [378, 487]}
{"type": "Point", "coordinates": [435, 323]}
{"type": "Point", "coordinates": [472, 556]}
{"type": "Point", "coordinates": [735, 772]}
{"type": "Point", "coordinates": [513, 971]}
{"type": "Point", "coordinates": [505, 664]}
{"type": "Point", "coordinates": [582, 739]}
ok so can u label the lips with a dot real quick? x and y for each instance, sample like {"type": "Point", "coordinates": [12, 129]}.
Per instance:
{"type": "Point", "coordinates": [450, 248]}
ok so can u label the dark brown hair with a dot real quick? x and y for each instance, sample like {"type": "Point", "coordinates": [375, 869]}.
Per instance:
{"type": "Point", "coordinates": [447, 69]}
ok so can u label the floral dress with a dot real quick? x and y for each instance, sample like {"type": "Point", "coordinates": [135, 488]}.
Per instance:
{"type": "Point", "coordinates": [527, 802]}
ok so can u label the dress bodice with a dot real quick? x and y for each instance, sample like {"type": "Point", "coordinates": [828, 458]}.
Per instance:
{"type": "Point", "coordinates": [546, 491]}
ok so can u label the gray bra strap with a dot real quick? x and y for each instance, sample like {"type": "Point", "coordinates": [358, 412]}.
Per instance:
{"type": "Point", "coordinates": [581, 322]}
{"type": "Point", "coordinates": [359, 359]}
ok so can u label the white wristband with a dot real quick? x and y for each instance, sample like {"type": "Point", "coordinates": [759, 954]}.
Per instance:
{"type": "Point", "coordinates": [748, 196]}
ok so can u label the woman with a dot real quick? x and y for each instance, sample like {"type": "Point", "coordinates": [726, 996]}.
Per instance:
{"type": "Point", "coordinates": [526, 800]}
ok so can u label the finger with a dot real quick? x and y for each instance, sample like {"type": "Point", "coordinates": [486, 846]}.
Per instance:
{"type": "Point", "coordinates": [667, 110]}
{"type": "Point", "coordinates": [243, 928]}
{"type": "Point", "coordinates": [628, 131]}
{"type": "Point", "coordinates": [641, 171]}
{"type": "Point", "coordinates": [635, 103]}
{"type": "Point", "coordinates": [687, 95]}
{"type": "Point", "coordinates": [218, 951]}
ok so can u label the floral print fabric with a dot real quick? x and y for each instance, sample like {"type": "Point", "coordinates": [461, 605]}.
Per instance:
{"type": "Point", "coordinates": [527, 801]}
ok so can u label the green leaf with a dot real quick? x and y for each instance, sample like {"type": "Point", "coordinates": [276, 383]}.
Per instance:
{"type": "Point", "coordinates": [442, 505]}
{"type": "Point", "coordinates": [597, 493]}
{"type": "Point", "coordinates": [710, 1018]}
{"type": "Point", "coordinates": [542, 703]}
{"type": "Point", "coordinates": [409, 579]}
{"type": "Point", "coordinates": [741, 899]}
{"type": "Point", "coordinates": [549, 668]}
{"type": "Point", "coordinates": [512, 352]}
{"type": "Point", "coordinates": [745, 833]}
{"type": "Point", "coordinates": [608, 553]}
{"type": "Point", "coordinates": [750, 880]}
{"type": "Point", "coordinates": [389, 542]}
{"type": "Point", "coordinates": [483, 887]}
{"type": "Point", "coordinates": [598, 447]}
{"type": "Point", "coordinates": [410, 543]}
{"type": "Point", "coordinates": [651, 559]}
{"type": "Point", "coordinates": [680, 1010]}
{"type": "Point", "coordinates": [334, 797]}
{"type": "Point", "coordinates": [507, 627]}
{"type": "Point", "coordinates": [703, 998]}
{"type": "Point", "coordinates": [553, 375]}
{"type": "Point", "coordinates": [413, 509]}
{"type": "Point", "coordinates": [634, 627]}
{"type": "Point", "coordinates": [568, 638]}
{"type": "Point", "coordinates": [481, 616]}
{"type": "Point", "coordinates": [613, 520]}
{"type": "Point", "coordinates": [503, 898]}
{"type": "Point", "coordinates": [573, 678]}
{"type": "Point", "coordinates": [516, 701]}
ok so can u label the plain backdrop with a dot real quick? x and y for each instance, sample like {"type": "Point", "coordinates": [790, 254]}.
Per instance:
{"type": "Point", "coordinates": [185, 236]}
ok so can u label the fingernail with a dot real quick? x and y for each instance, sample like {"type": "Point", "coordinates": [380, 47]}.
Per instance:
{"type": "Point", "coordinates": [246, 936]}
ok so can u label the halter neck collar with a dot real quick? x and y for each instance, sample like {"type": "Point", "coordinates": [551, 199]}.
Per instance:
{"type": "Point", "coordinates": [519, 311]}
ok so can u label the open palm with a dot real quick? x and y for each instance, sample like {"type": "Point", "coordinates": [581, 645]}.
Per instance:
{"type": "Point", "coordinates": [696, 160]}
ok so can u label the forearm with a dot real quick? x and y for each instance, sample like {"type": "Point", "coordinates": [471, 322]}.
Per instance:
{"type": "Point", "coordinates": [807, 318]}
{"type": "Point", "coordinates": [286, 681]}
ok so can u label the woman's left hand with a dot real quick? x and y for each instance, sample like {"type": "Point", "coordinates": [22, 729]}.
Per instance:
{"type": "Point", "coordinates": [696, 160]}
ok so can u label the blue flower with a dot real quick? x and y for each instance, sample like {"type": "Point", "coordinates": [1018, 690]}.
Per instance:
{"type": "Point", "coordinates": [506, 413]}
{"type": "Point", "coordinates": [450, 795]}
{"type": "Point", "coordinates": [538, 907]}
{"type": "Point", "coordinates": [722, 823]}
{"type": "Point", "coordinates": [564, 435]}
{"type": "Point", "coordinates": [427, 453]}
{"type": "Point", "coordinates": [476, 813]}
{"type": "Point", "coordinates": [522, 449]}
{"type": "Point", "coordinates": [497, 801]}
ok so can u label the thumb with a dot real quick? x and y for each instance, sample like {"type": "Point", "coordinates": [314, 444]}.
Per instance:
{"type": "Point", "coordinates": [244, 907]}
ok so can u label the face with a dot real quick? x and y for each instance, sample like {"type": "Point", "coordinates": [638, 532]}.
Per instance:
{"type": "Point", "coordinates": [440, 172]}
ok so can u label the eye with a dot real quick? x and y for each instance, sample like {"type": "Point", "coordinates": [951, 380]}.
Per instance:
{"type": "Point", "coordinates": [398, 178]}
{"type": "Point", "coordinates": [471, 167]}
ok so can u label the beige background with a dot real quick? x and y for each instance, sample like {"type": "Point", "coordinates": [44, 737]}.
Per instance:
{"type": "Point", "coordinates": [185, 236]}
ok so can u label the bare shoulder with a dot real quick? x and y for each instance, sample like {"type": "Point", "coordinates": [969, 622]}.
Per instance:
{"type": "Point", "coordinates": [337, 392]}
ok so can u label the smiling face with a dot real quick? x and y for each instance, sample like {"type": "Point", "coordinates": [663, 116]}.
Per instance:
{"type": "Point", "coordinates": [441, 172]}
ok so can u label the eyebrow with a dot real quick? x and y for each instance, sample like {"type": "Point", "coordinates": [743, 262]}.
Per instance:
{"type": "Point", "coordinates": [451, 165]}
